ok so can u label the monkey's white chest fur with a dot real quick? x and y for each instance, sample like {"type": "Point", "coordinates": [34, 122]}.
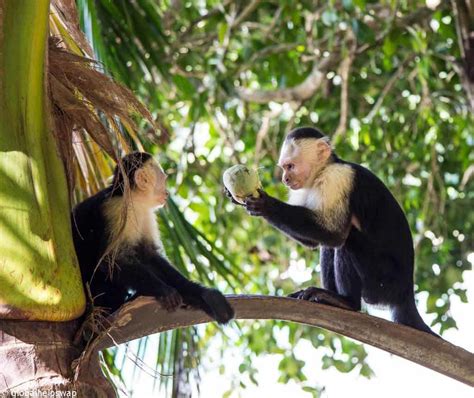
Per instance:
{"type": "Point", "coordinates": [328, 195]}
{"type": "Point", "coordinates": [140, 223]}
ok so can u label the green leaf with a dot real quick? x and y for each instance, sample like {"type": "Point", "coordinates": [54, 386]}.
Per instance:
{"type": "Point", "coordinates": [362, 31]}
{"type": "Point", "coordinates": [221, 32]}
{"type": "Point", "coordinates": [184, 85]}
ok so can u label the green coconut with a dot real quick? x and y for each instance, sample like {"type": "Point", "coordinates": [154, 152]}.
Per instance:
{"type": "Point", "coordinates": [241, 182]}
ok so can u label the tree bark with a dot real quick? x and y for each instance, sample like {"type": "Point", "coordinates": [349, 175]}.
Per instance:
{"type": "Point", "coordinates": [145, 316]}
{"type": "Point", "coordinates": [37, 357]}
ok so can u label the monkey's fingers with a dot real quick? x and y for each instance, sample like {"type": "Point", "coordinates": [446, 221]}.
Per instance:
{"type": "Point", "coordinates": [322, 296]}
{"type": "Point", "coordinates": [296, 295]}
{"type": "Point", "coordinates": [252, 201]}
{"type": "Point", "coordinates": [254, 207]}
{"type": "Point", "coordinates": [229, 195]}
{"type": "Point", "coordinates": [255, 213]}
{"type": "Point", "coordinates": [171, 301]}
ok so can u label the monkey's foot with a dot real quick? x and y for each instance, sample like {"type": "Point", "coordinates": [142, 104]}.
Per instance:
{"type": "Point", "coordinates": [322, 296]}
{"type": "Point", "coordinates": [171, 299]}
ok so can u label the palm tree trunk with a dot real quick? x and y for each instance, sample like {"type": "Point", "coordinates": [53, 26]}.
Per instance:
{"type": "Point", "coordinates": [39, 275]}
{"type": "Point", "coordinates": [37, 357]}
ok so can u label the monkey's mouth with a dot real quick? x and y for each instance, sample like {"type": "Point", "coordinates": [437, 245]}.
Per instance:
{"type": "Point", "coordinates": [292, 185]}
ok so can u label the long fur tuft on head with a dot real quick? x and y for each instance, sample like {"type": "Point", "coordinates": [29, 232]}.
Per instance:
{"type": "Point", "coordinates": [125, 171]}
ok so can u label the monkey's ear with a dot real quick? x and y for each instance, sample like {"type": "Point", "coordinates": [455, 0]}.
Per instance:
{"type": "Point", "coordinates": [142, 179]}
{"type": "Point", "coordinates": [324, 149]}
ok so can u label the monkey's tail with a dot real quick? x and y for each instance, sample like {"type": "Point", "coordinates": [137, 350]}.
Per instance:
{"type": "Point", "coordinates": [407, 314]}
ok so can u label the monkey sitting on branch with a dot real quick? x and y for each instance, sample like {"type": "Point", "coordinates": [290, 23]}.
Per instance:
{"type": "Point", "coordinates": [366, 244]}
{"type": "Point", "coordinates": [118, 244]}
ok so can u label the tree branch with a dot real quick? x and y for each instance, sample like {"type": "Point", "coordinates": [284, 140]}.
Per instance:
{"type": "Point", "coordinates": [301, 92]}
{"type": "Point", "coordinates": [312, 83]}
{"type": "Point", "coordinates": [344, 72]}
{"type": "Point", "coordinates": [464, 16]}
{"type": "Point", "coordinates": [145, 316]}
{"type": "Point", "coordinates": [391, 82]}
{"type": "Point", "coordinates": [246, 12]}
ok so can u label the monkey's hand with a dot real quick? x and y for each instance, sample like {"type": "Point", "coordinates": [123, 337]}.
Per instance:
{"type": "Point", "coordinates": [170, 298]}
{"type": "Point", "coordinates": [229, 195]}
{"type": "Point", "coordinates": [261, 206]}
{"type": "Point", "coordinates": [217, 306]}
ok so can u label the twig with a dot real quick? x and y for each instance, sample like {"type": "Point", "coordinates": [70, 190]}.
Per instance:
{"type": "Point", "coordinates": [391, 82]}
{"type": "Point", "coordinates": [246, 12]}
{"type": "Point", "coordinates": [216, 10]}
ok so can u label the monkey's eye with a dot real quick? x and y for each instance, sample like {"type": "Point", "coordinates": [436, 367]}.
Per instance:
{"type": "Point", "coordinates": [290, 166]}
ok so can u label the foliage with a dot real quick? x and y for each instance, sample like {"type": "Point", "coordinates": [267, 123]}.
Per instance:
{"type": "Point", "coordinates": [388, 92]}
{"type": "Point", "coordinates": [38, 264]}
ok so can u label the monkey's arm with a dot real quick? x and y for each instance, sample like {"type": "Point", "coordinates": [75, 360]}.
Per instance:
{"type": "Point", "coordinates": [298, 222]}
{"type": "Point", "coordinates": [139, 277]}
{"type": "Point", "coordinates": [209, 300]}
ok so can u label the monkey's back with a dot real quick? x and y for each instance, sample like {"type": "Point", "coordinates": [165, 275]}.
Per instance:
{"type": "Point", "coordinates": [385, 243]}
{"type": "Point", "coordinates": [89, 232]}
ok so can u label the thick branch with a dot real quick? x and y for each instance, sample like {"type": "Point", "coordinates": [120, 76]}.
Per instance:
{"type": "Point", "coordinates": [301, 92]}
{"type": "Point", "coordinates": [145, 316]}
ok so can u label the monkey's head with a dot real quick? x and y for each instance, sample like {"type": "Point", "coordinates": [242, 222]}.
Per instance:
{"type": "Point", "coordinates": [146, 178]}
{"type": "Point", "coordinates": [304, 153]}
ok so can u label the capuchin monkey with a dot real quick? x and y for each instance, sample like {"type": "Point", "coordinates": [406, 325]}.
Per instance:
{"type": "Point", "coordinates": [366, 243]}
{"type": "Point", "coordinates": [118, 244]}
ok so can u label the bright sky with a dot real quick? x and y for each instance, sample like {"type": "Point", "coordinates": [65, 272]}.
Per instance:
{"type": "Point", "coordinates": [394, 376]}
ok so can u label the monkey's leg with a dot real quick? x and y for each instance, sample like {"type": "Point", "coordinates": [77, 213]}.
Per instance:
{"type": "Point", "coordinates": [348, 282]}
{"type": "Point", "coordinates": [326, 259]}
{"type": "Point", "coordinates": [333, 266]}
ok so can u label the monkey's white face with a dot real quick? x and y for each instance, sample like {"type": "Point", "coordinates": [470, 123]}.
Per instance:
{"type": "Point", "coordinates": [151, 184]}
{"type": "Point", "coordinates": [300, 161]}
{"type": "Point", "coordinates": [296, 171]}
{"type": "Point", "coordinates": [159, 188]}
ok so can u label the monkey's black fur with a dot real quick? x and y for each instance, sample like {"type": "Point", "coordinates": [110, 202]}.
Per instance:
{"type": "Point", "coordinates": [375, 263]}
{"type": "Point", "coordinates": [305, 132]}
{"type": "Point", "coordinates": [139, 269]}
